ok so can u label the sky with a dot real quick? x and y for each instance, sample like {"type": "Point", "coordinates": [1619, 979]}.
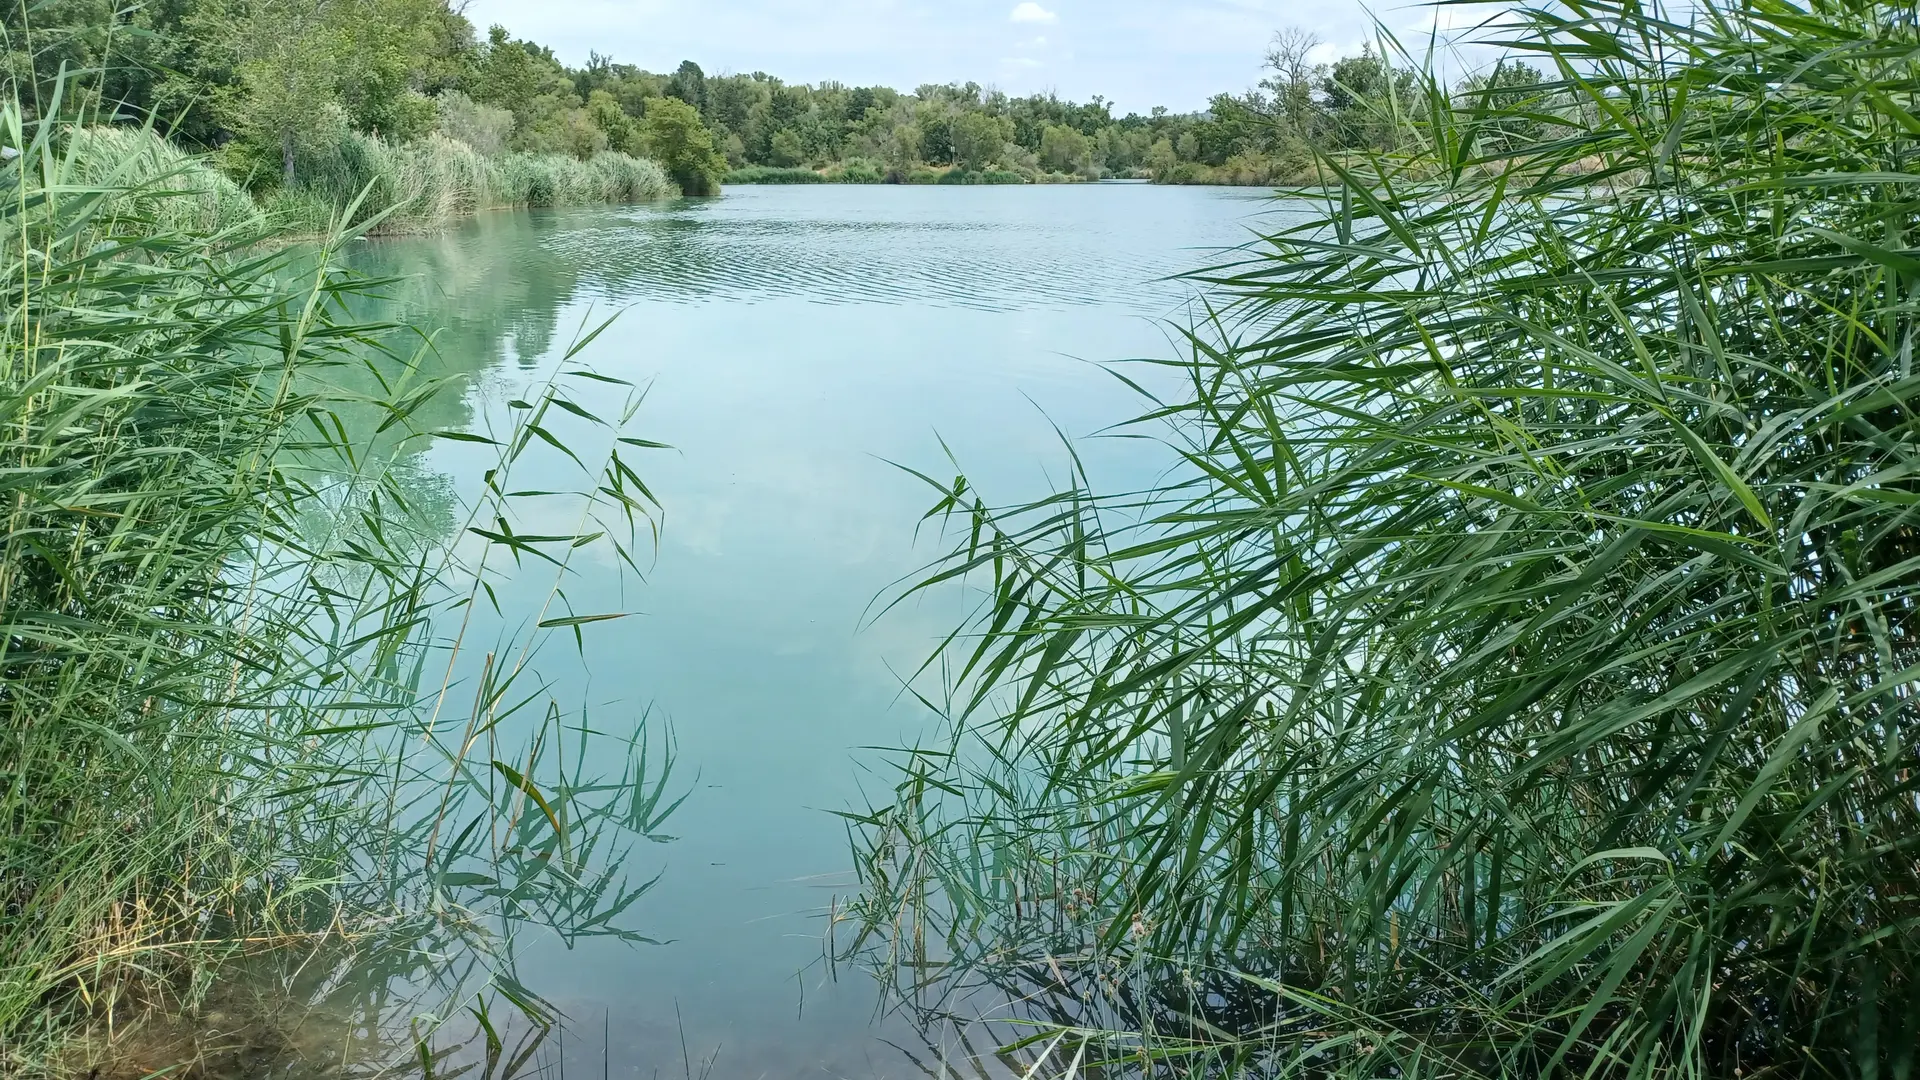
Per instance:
{"type": "Point", "coordinates": [1135, 53]}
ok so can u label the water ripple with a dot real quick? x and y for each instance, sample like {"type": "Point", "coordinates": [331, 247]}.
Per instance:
{"type": "Point", "coordinates": [989, 249]}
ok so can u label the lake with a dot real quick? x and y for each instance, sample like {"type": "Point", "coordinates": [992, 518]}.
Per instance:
{"type": "Point", "coordinates": [799, 345]}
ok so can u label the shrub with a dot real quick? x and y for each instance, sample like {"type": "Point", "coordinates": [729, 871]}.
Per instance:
{"type": "Point", "coordinates": [299, 211]}
{"type": "Point", "coordinates": [981, 176]}
{"type": "Point", "coordinates": [558, 180]}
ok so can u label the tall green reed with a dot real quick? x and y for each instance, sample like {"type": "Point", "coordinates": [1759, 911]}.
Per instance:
{"type": "Point", "coordinates": [425, 185]}
{"type": "Point", "coordinates": [1513, 676]}
{"type": "Point", "coordinates": [231, 654]}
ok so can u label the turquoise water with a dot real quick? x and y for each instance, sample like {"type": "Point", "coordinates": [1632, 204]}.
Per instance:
{"type": "Point", "coordinates": [796, 343]}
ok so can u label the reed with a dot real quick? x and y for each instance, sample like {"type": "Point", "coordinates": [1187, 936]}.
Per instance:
{"type": "Point", "coordinates": [426, 185]}
{"type": "Point", "coordinates": [230, 645]}
{"type": "Point", "coordinates": [162, 185]}
{"type": "Point", "coordinates": [1513, 675]}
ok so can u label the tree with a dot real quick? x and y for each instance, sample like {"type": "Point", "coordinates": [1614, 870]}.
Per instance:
{"type": "Point", "coordinates": [900, 148]}
{"type": "Point", "coordinates": [689, 84]}
{"type": "Point", "coordinates": [289, 64]}
{"type": "Point", "coordinates": [607, 115]}
{"type": "Point", "coordinates": [512, 74]}
{"type": "Point", "coordinates": [934, 118]}
{"type": "Point", "coordinates": [1289, 58]}
{"type": "Point", "coordinates": [979, 138]}
{"type": "Point", "coordinates": [483, 127]}
{"type": "Point", "coordinates": [674, 136]}
{"type": "Point", "coordinates": [1509, 94]}
{"type": "Point", "coordinates": [1063, 149]}
{"type": "Point", "coordinates": [786, 150]}
{"type": "Point", "coordinates": [42, 39]}
{"type": "Point", "coordinates": [1364, 94]}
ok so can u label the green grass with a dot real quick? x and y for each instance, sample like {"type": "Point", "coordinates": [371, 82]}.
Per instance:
{"type": "Point", "coordinates": [242, 712]}
{"type": "Point", "coordinates": [1513, 675]}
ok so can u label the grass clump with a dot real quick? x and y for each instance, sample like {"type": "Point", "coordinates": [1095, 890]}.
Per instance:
{"type": "Point", "coordinates": [419, 186]}
{"type": "Point", "coordinates": [226, 635]}
{"type": "Point", "coordinates": [625, 179]}
{"type": "Point", "coordinates": [522, 179]}
{"type": "Point", "coordinates": [427, 184]}
{"type": "Point", "coordinates": [161, 186]}
{"type": "Point", "coordinates": [1514, 677]}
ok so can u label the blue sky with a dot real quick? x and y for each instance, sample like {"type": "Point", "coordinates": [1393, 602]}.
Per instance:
{"type": "Point", "coordinates": [1137, 53]}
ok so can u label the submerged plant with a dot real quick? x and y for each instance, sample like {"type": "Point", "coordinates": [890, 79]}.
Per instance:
{"type": "Point", "coordinates": [1513, 678]}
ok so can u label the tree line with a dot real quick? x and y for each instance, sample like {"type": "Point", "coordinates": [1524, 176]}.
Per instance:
{"type": "Point", "coordinates": [276, 85]}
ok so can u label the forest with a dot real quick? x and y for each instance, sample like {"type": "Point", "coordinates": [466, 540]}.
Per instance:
{"type": "Point", "coordinates": [307, 105]}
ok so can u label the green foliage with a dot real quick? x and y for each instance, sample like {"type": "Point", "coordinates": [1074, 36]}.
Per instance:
{"type": "Point", "coordinates": [159, 187]}
{"type": "Point", "coordinates": [674, 136]}
{"type": "Point", "coordinates": [1512, 675]}
{"type": "Point", "coordinates": [605, 113]}
{"type": "Point", "coordinates": [625, 179]}
{"type": "Point", "coordinates": [416, 186]}
{"type": "Point", "coordinates": [768, 174]}
{"type": "Point", "coordinates": [218, 611]}
{"type": "Point", "coordinates": [979, 139]}
{"type": "Point", "coordinates": [1062, 149]}
{"type": "Point", "coordinates": [485, 128]}
{"type": "Point", "coordinates": [689, 84]}
{"type": "Point", "coordinates": [559, 180]}
{"type": "Point", "coordinates": [856, 171]}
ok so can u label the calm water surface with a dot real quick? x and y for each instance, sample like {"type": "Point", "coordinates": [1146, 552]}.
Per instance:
{"type": "Point", "coordinates": [796, 340]}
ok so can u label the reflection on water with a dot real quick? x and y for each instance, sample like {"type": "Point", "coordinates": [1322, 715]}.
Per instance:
{"type": "Point", "coordinates": [795, 341]}
{"type": "Point", "coordinates": [1000, 249]}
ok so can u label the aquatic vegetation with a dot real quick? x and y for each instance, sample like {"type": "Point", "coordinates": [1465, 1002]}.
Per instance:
{"type": "Point", "coordinates": [174, 190]}
{"type": "Point", "coordinates": [425, 185]}
{"type": "Point", "coordinates": [230, 649]}
{"type": "Point", "coordinates": [1512, 676]}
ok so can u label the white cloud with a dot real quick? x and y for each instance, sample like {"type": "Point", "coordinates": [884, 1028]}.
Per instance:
{"type": "Point", "coordinates": [1020, 61]}
{"type": "Point", "coordinates": [1029, 12]}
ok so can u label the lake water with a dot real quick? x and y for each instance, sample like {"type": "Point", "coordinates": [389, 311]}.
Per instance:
{"type": "Point", "coordinates": [797, 341]}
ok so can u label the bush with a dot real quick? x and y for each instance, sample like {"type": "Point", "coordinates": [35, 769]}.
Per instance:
{"type": "Point", "coordinates": [982, 176]}
{"type": "Point", "coordinates": [299, 211]}
{"type": "Point", "coordinates": [163, 189]}
{"type": "Point", "coordinates": [427, 184]}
